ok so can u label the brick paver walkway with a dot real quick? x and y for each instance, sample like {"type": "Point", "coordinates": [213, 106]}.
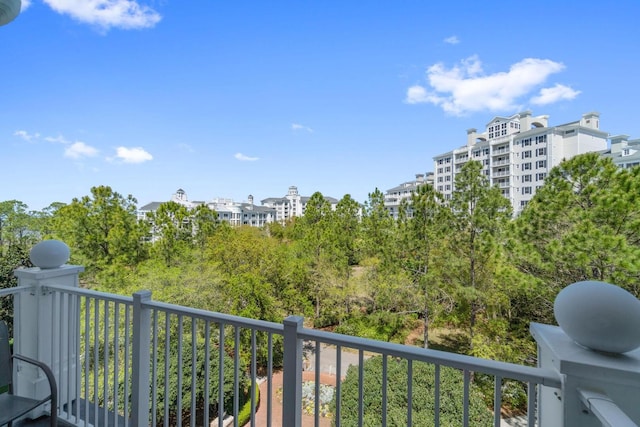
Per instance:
{"type": "Point", "coordinates": [276, 416]}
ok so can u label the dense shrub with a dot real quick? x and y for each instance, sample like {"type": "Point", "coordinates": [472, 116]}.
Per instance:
{"type": "Point", "coordinates": [423, 402]}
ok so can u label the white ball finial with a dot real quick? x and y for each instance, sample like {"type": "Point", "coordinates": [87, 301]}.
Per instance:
{"type": "Point", "coordinates": [49, 254]}
{"type": "Point", "coordinates": [9, 10]}
{"type": "Point", "coordinates": [599, 316]}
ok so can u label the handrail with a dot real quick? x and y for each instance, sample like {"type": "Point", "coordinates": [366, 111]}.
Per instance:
{"type": "Point", "coordinates": [15, 290]}
{"type": "Point", "coordinates": [605, 409]}
{"type": "Point", "coordinates": [91, 293]}
{"type": "Point", "coordinates": [229, 319]}
{"type": "Point", "coordinates": [459, 361]}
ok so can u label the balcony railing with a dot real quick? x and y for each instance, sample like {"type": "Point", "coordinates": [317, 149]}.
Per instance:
{"type": "Point", "coordinates": [133, 361]}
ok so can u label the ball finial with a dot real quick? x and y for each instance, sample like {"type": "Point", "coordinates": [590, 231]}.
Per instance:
{"type": "Point", "coordinates": [49, 254]}
{"type": "Point", "coordinates": [9, 10]}
{"type": "Point", "coordinates": [599, 316]}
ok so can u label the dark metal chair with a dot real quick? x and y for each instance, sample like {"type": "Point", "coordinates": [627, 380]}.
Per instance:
{"type": "Point", "coordinates": [13, 406]}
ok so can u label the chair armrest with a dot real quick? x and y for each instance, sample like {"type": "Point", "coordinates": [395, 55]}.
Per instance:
{"type": "Point", "coordinates": [47, 371]}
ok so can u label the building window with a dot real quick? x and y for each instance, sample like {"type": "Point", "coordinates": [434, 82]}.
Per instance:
{"type": "Point", "coordinates": [523, 203]}
{"type": "Point", "coordinates": [447, 187]}
{"type": "Point", "coordinates": [541, 139]}
{"type": "Point", "coordinates": [526, 190]}
{"type": "Point", "coordinates": [626, 152]}
{"type": "Point", "coordinates": [448, 178]}
{"type": "Point", "coordinates": [540, 176]}
{"type": "Point", "coordinates": [439, 170]}
{"type": "Point", "coordinates": [439, 187]}
{"type": "Point", "coordinates": [541, 164]}
{"type": "Point", "coordinates": [526, 154]}
{"type": "Point", "coordinates": [447, 169]}
{"type": "Point", "coordinates": [541, 151]}
{"type": "Point", "coordinates": [526, 178]}
{"type": "Point", "coordinates": [526, 142]}
{"type": "Point", "coordinates": [439, 179]}
{"type": "Point", "coordinates": [526, 166]}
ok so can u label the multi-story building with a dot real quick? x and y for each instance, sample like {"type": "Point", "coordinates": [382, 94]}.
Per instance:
{"type": "Point", "coordinates": [291, 205]}
{"type": "Point", "coordinates": [394, 196]}
{"type": "Point", "coordinates": [235, 213]}
{"type": "Point", "coordinates": [517, 152]}
{"type": "Point", "coordinates": [624, 152]}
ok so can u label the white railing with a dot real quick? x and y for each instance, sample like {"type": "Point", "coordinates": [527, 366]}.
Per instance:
{"type": "Point", "coordinates": [112, 356]}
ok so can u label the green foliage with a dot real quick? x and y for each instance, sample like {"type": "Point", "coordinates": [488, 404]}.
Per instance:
{"type": "Point", "coordinates": [379, 325]}
{"type": "Point", "coordinates": [14, 257]}
{"type": "Point", "coordinates": [244, 415]}
{"type": "Point", "coordinates": [102, 229]}
{"type": "Point", "coordinates": [583, 224]}
{"type": "Point", "coordinates": [423, 402]}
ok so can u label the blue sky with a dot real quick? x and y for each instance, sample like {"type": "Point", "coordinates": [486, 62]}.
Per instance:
{"type": "Point", "coordinates": [231, 98]}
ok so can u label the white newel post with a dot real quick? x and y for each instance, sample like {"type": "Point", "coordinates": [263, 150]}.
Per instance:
{"type": "Point", "coordinates": [41, 331]}
{"type": "Point", "coordinates": [596, 351]}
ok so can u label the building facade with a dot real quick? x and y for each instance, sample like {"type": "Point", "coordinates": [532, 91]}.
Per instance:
{"type": "Point", "coordinates": [624, 152]}
{"type": "Point", "coordinates": [517, 153]}
{"type": "Point", "coordinates": [291, 205]}
{"type": "Point", "coordinates": [235, 213]}
{"type": "Point", "coordinates": [393, 197]}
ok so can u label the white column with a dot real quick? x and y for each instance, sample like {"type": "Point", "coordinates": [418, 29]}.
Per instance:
{"type": "Point", "coordinates": [37, 323]}
{"type": "Point", "coordinates": [613, 376]}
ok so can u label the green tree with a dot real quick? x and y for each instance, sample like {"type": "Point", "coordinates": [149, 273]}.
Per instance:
{"type": "Point", "coordinates": [318, 248]}
{"type": "Point", "coordinates": [14, 257]}
{"type": "Point", "coordinates": [423, 221]}
{"type": "Point", "coordinates": [583, 224]}
{"type": "Point", "coordinates": [205, 224]}
{"type": "Point", "coordinates": [15, 225]}
{"type": "Point", "coordinates": [480, 215]}
{"type": "Point", "coordinates": [378, 229]}
{"type": "Point", "coordinates": [172, 231]}
{"type": "Point", "coordinates": [101, 229]}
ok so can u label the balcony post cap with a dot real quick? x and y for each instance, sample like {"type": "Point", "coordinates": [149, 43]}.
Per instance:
{"type": "Point", "coordinates": [599, 316]}
{"type": "Point", "coordinates": [49, 254]}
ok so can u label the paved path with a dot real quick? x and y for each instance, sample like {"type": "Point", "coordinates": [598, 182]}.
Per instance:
{"type": "Point", "coordinates": [327, 376]}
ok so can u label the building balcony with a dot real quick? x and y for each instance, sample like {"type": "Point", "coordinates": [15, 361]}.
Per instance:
{"type": "Point", "coordinates": [500, 162]}
{"type": "Point", "coordinates": [134, 361]}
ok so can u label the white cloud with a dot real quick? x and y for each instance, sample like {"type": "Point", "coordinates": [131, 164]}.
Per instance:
{"type": "Point", "coordinates": [466, 88]}
{"type": "Point", "coordinates": [80, 149]}
{"type": "Point", "coordinates": [244, 158]}
{"type": "Point", "coordinates": [452, 40]}
{"type": "Point", "coordinates": [59, 139]}
{"type": "Point", "coordinates": [106, 14]}
{"type": "Point", "coordinates": [549, 95]}
{"type": "Point", "coordinates": [417, 95]}
{"type": "Point", "coordinates": [297, 126]}
{"type": "Point", "coordinates": [133, 155]}
{"type": "Point", "coordinates": [25, 5]}
{"type": "Point", "coordinates": [26, 135]}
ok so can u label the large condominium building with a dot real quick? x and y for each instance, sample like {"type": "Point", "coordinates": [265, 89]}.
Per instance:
{"type": "Point", "coordinates": [624, 152]}
{"type": "Point", "coordinates": [394, 196]}
{"type": "Point", "coordinates": [291, 205]}
{"type": "Point", "coordinates": [235, 213]}
{"type": "Point", "coordinates": [517, 152]}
